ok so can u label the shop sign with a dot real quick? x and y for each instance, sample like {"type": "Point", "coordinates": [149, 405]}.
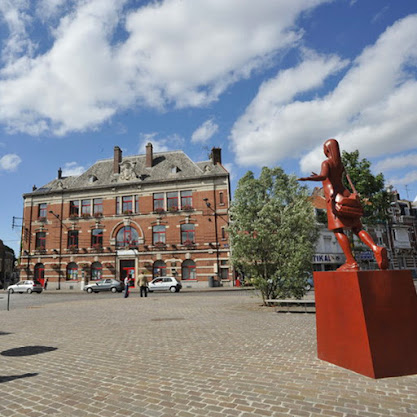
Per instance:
{"type": "Point", "coordinates": [327, 258]}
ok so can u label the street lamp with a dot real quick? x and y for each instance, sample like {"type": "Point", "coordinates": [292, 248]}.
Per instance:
{"type": "Point", "coordinates": [208, 204]}
{"type": "Point", "coordinates": [60, 247]}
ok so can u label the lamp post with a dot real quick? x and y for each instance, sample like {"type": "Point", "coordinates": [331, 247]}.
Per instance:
{"type": "Point", "coordinates": [60, 247]}
{"type": "Point", "coordinates": [208, 204]}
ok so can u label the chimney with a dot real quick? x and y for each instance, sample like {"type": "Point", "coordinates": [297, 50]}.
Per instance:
{"type": "Point", "coordinates": [59, 173]}
{"type": "Point", "coordinates": [117, 159]}
{"type": "Point", "coordinates": [149, 155]}
{"type": "Point", "coordinates": [216, 156]}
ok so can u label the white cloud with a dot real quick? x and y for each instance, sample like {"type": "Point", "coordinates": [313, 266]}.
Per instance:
{"type": "Point", "coordinates": [15, 14]}
{"type": "Point", "coordinates": [10, 162]}
{"type": "Point", "coordinates": [164, 144]}
{"type": "Point", "coordinates": [72, 169]}
{"type": "Point", "coordinates": [370, 109]}
{"type": "Point", "coordinates": [47, 9]}
{"type": "Point", "coordinates": [396, 162]}
{"type": "Point", "coordinates": [176, 52]}
{"type": "Point", "coordinates": [204, 132]}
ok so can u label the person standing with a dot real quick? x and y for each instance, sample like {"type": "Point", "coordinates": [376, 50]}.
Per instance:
{"type": "Point", "coordinates": [126, 282]}
{"type": "Point", "coordinates": [143, 284]}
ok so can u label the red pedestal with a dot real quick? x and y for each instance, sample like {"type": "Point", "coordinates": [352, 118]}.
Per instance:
{"type": "Point", "coordinates": [367, 321]}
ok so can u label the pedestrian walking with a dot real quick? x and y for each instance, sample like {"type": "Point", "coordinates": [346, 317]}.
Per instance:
{"type": "Point", "coordinates": [143, 284]}
{"type": "Point", "coordinates": [126, 282]}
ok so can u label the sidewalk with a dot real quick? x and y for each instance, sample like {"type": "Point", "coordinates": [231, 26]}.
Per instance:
{"type": "Point", "coordinates": [180, 356]}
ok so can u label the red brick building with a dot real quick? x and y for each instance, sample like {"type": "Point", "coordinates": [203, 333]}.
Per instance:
{"type": "Point", "coordinates": [159, 212]}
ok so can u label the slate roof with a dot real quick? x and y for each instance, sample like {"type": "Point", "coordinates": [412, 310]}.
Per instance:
{"type": "Point", "coordinates": [167, 166]}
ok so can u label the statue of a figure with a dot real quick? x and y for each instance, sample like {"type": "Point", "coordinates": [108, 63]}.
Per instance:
{"type": "Point", "coordinates": [332, 170]}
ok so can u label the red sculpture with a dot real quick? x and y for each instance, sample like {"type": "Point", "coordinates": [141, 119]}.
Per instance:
{"type": "Point", "coordinates": [344, 210]}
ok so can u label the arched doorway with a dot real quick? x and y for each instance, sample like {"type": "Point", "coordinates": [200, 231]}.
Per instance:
{"type": "Point", "coordinates": [96, 271]}
{"type": "Point", "coordinates": [159, 269]}
{"type": "Point", "coordinates": [72, 271]}
{"type": "Point", "coordinates": [39, 273]}
{"type": "Point", "coordinates": [188, 271]}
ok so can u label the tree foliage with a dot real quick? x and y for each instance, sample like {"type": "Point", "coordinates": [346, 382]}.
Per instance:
{"type": "Point", "coordinates": [273, 233]}
{"type": "Point", "coordinates": [376, 200]}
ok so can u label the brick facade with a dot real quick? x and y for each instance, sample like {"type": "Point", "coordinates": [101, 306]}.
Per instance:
{"type": "Point", "coordinates": [106, 223]}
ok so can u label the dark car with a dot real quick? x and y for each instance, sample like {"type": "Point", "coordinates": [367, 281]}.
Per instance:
{"type": "Point", "coordinates": [112, 285]}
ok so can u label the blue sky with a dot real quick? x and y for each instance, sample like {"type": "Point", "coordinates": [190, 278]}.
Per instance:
{"type": "Point", "coordinates": [267, 81]}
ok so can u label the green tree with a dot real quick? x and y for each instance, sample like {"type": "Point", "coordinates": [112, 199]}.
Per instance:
{"type": "Point", "coordinates": [376, 200]}
{"type": "Point", "coordinates": [273, 233]}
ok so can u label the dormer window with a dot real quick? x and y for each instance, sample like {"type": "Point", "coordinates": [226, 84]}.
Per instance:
{"type": "Point", "coordinates": [174, 169]}
{"type": "Point", "coordinates": [92, 178]}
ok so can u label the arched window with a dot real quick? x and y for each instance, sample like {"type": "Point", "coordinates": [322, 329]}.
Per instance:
{"type": "Point", "coordinates": [159, 269]}
{"type": "Point", "coordinates": [39, 273]}
{"type": "Point", "coordinates": [188, 270]}
{"type": "Point", "coordinates": [127, 236]}
{"type": "Point", "coordinates": [72, 271]}
{"type": "Point", "coordinates": [96, 271]}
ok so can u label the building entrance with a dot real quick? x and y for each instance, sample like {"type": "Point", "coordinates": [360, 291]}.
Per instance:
{"type": "Point", "coordinates": [127, 269]}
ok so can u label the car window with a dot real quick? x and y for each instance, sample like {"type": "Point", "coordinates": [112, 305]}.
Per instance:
{"type": "Point", "coordinates": [156, 281]}
{"type": "Point", "coordinates": [107, 281]}
{"type": "Point", "coordinates": [167, 279]}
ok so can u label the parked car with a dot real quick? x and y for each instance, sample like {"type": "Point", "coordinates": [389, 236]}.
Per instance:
{"type": "Point", "coordinates": [112, 285]}
{"type": "Point", "coordinates": [28, 286]}
{"type": "Point", "coordinates": [165, 284]}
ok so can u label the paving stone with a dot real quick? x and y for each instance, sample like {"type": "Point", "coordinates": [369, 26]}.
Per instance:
{"type": "Point", "coordinates": [182, 356]}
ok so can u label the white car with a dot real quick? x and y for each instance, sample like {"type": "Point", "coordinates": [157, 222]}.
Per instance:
{"type": "Point", "coordinates": [26, 286]}
{"type": "Point", "coordinates": [165, 284]}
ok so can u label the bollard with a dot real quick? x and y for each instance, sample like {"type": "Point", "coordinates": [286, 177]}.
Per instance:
{"type": "Point", "coordinates": [8, 299]}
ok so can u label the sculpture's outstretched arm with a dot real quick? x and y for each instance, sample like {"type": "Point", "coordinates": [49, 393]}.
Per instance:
{"type": "Point", "coordinates": [318, 177]}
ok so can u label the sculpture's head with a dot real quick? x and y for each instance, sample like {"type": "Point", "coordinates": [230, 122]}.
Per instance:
{"type": "Point", "coordinates": [331, 149]}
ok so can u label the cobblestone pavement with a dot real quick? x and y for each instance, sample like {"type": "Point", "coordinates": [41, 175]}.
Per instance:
{"type": "Point", "coordinates": [180, 356]}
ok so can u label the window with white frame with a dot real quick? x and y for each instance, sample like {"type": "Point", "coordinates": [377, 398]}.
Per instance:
{"type": "Point", "coordinates": [172, 200]}
{"type": "Point", "coordinates": [42, 209]}
{"type": "Point", "coordinates": [187, 233]}
{"type": "Point", "coordinates": [158, 201]}
{"type": "Point", "coordinates": [98, 206]}
{"type": "Point", "coordinates": [85, 207]}
{"type": "Point", "coordinates": [158, 234]}
{"type": "Point", "coordinates": [186, 199]}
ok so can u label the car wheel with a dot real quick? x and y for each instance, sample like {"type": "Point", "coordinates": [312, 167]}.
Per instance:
{"type": "Point", "coordinates": [89, 290]}
{"type": "Point", "coordinates": [11, 290]}
{"type": "Point", "coordinates": [114, 289]}
{"type": "Point", "coordinates": [308, 287]}
{"type": "Point", "coordinates": [29, 290]}
{"type": "Point", "coordinates": [173, 289]}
